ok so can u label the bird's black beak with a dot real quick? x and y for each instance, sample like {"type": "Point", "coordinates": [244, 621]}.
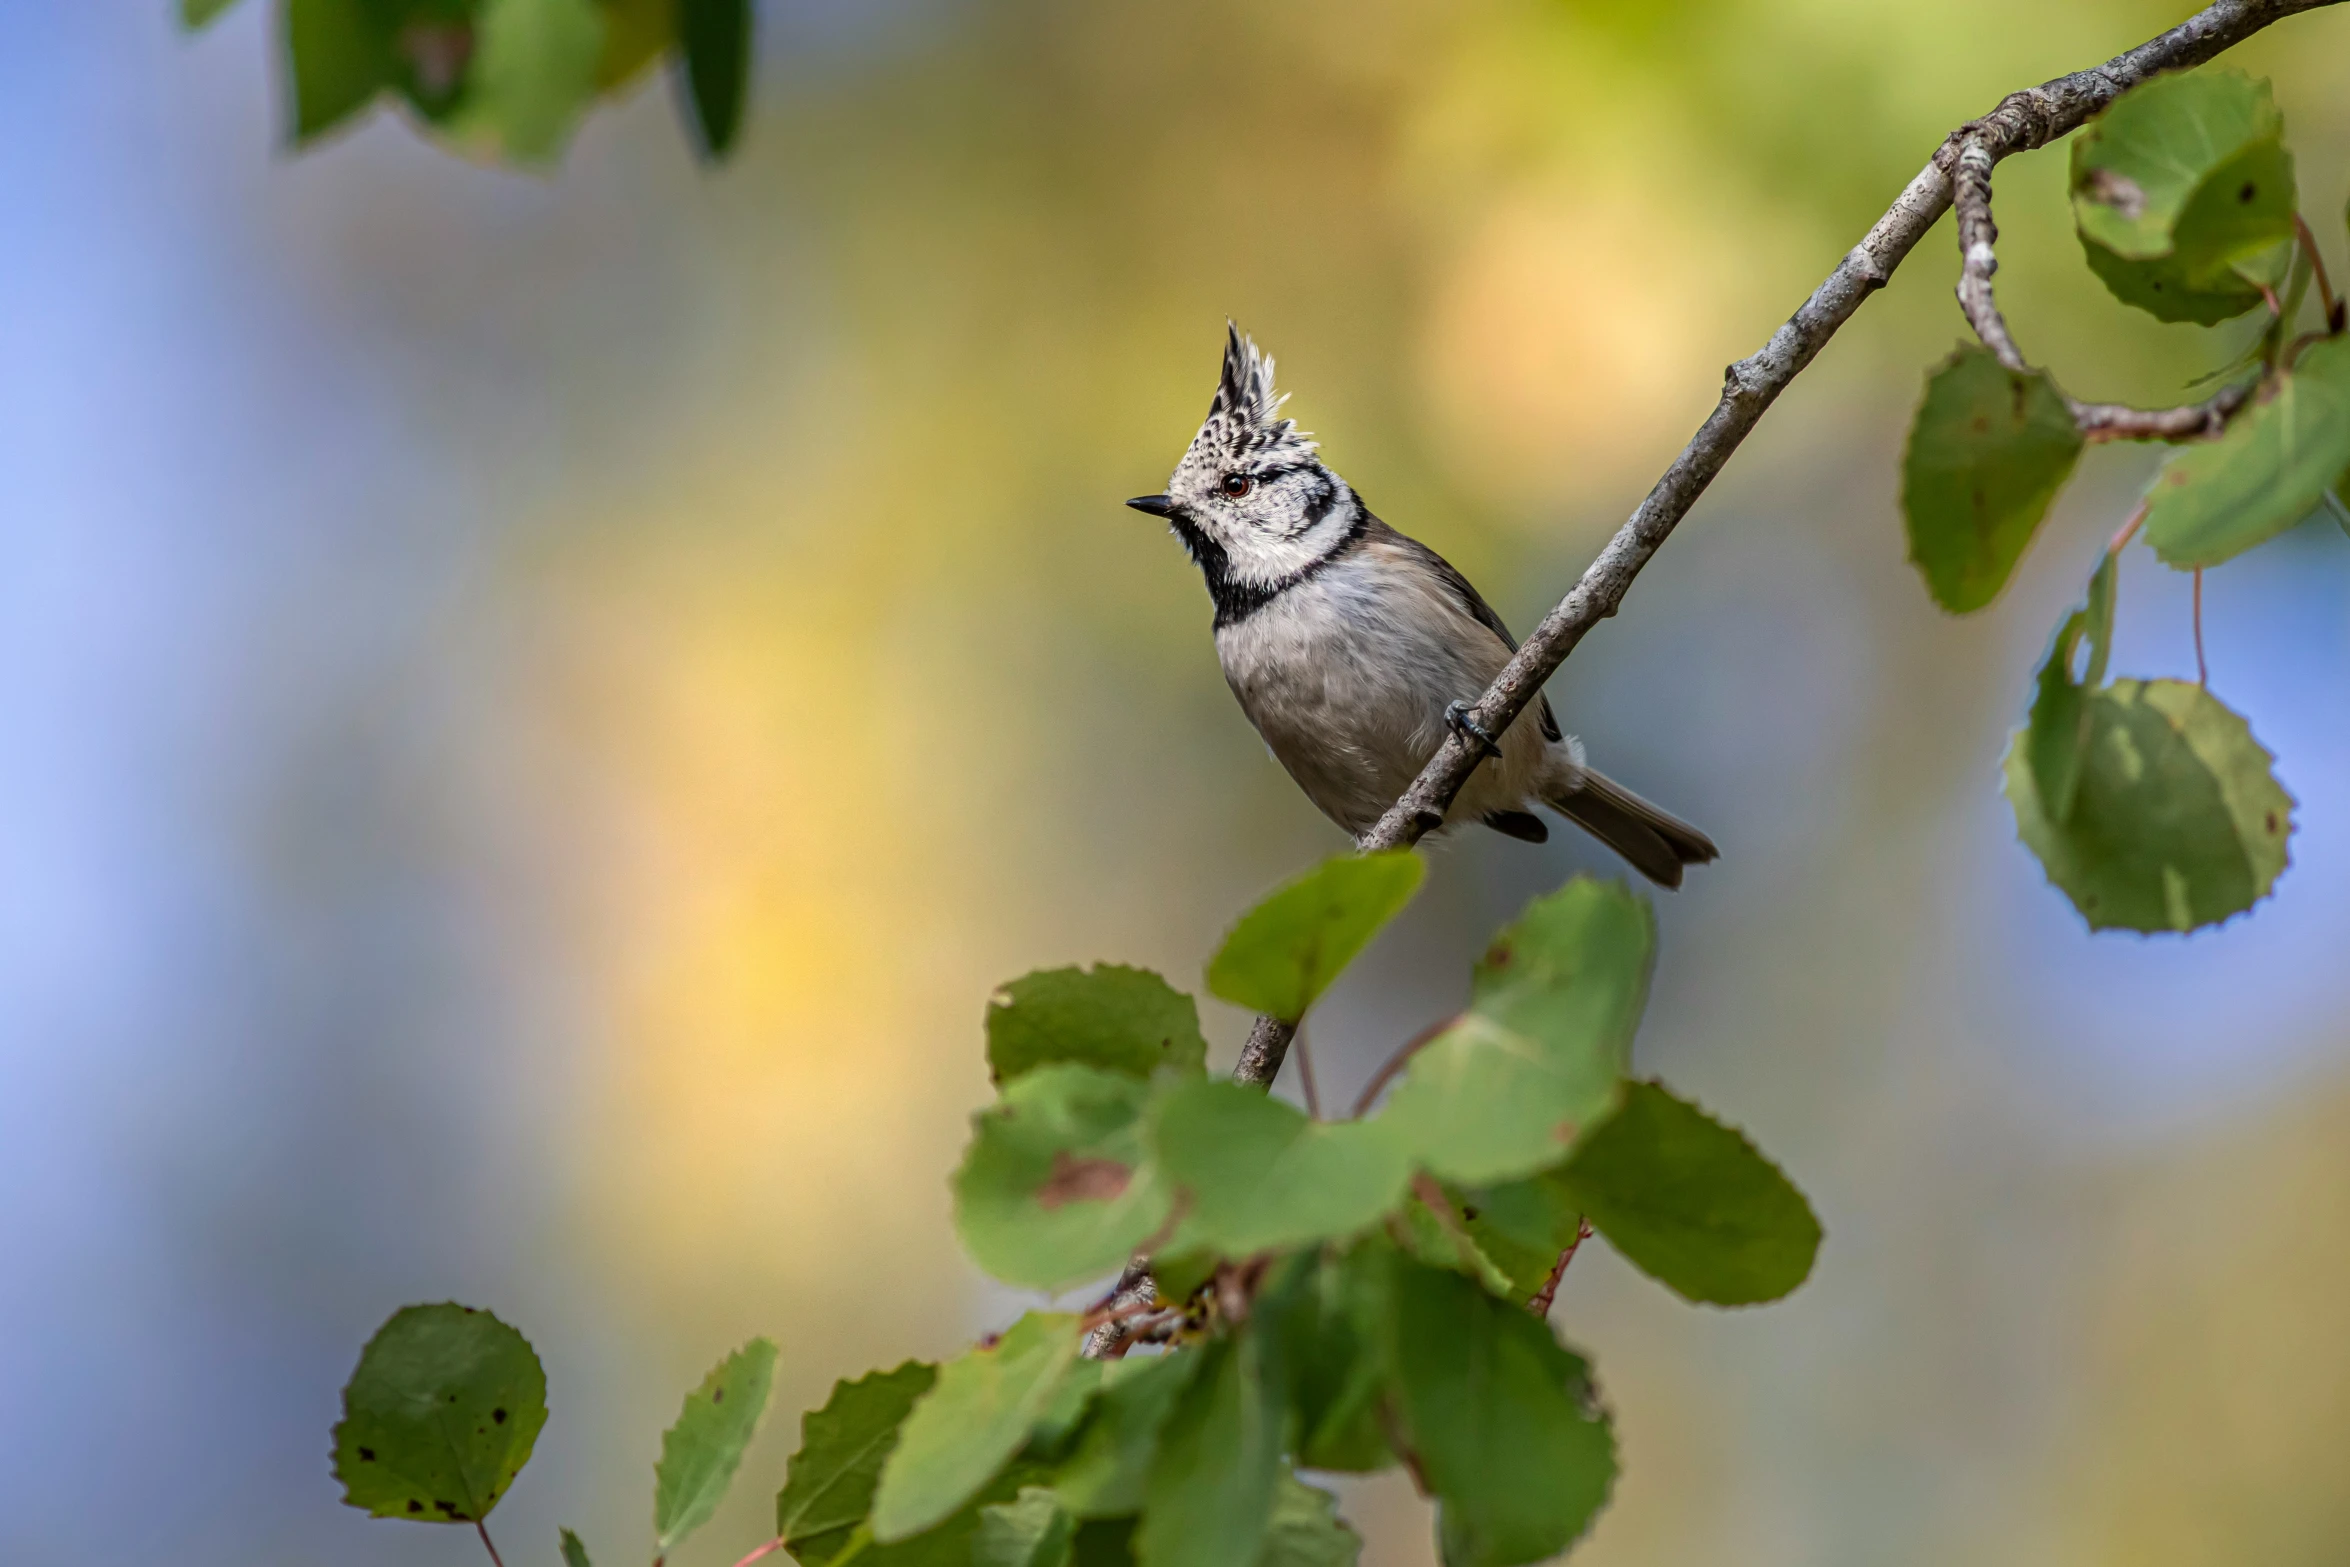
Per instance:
{"type": "Point", "coordinates": [1156, 505]}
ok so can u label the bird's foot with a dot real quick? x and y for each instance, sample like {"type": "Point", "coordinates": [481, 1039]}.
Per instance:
{"type": "Point", "coordinates": [1457, 719]}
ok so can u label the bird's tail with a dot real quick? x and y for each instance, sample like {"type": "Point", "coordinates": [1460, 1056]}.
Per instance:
{"type": "Point", "coordinates": [1657, 842]}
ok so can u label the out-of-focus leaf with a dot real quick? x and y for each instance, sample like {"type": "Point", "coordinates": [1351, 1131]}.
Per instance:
{"type": "Point", "coordinates": [1501, 1419]}
{"type": "Point", "coordinates": [1305, 1531]}
{"type": "Point", "coordinates": [1505, 1091]}
{"type": "Point", "coordinates": [2058, 730]}
{"type": "Point", "coordinates": [1691, 1203]}
{"type": "Point", "coordinates": [1210, 1495]}
{"type": "Point", "coordinates": [967, 1427]}
{"type": "Point", "coordinates": [339, 54]}
{"type": "Point", "coordinates": [1114, 1018]}
{"type": "Point", "coordinates": [636, 33]}
{"type": "Point", "coordinates": [1105, 1542]}
{"type": "Point", "coordinates": [1523, 1227]}
{"type": "Point", "coordinates": [716, 35]}
{"type": "Point", "coordinates": [1252, 1174]}
{"type": "Point", "coordinates": [2178, 821]}
{"type": "Point", "coordinates": [1031, 1530]}
{"type": "Point", "coordinates": [440, 1416]}
{"type": "Point", "coordinates": [1321, 1310]}
{"type": "Point", "coordinates": [700, 1453]}
{"type": "Point", "coordinates": [575, 1554]}
{"type": "Point", "coordinates": [954, 1542]}
{"type": "Point", "coordinates": [828, 1486]}
{"type": "Point", "coordinates": [1440, 1238]}
{"type": "Point", "coordinates": [2214, 500]}
{"type": "Point", "coordinates": [1055, 1188]}
{"type": "Point", "coordinates": [2179, 187]}
{"type": "Point", "coordinates": [1105, 1475]}
{"type": "Point", "coordinates": [195, 14]}
{"type": "Point", "coordinates": [1286, 951]}
{"type": "Point", "coordinates": [532, 72]}
{"type": "Point", "coordinates": [1988, 451]}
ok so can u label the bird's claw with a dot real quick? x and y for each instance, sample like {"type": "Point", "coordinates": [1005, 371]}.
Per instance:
{"type": "Point", "coordinates": [1457, 719]}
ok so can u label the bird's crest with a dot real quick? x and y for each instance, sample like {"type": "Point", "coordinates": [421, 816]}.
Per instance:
{"type": "Point", "coordinates": [1244, 427]}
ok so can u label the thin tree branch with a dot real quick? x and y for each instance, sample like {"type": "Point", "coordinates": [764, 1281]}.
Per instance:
{"type": "Point", "coordinates": [2317, 266]}
{"type": "Point", "coordinates": [2022, 122]}
{"type": "Point", "coordinates": [1110, 1340]}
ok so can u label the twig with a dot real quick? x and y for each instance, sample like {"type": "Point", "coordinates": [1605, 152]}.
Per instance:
{"type": "Point", "coordinates": [1109, 1340]}
{"type": "Point", "coordinates": [2129, 530]}
{"type": "Point", "coordinates": [483, 1530]}
{"type": "Point", "coordinates": [2022, 121]}
{"type": "Point", "coordinates": [1395, 1063]}
{"type": "Point", "coordinates": [2317, 267]}
{"type": "Point", "coordinates": [1305, 1074]}
{"type": "Point", "coordinates": [2202, 670]}
{"type": "Point", "coordinates": [1540, 1304]}
{"type": "Point", "coordinates": [1120, 1311]}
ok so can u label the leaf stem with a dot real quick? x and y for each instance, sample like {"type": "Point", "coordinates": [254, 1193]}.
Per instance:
{"type": "Point", "coordinates": [775, 1544]}
{"type": "Point", "coordinates": [2129, 530]}
{"type": "Point", "coordinates": [1540, 1304]}
{"type": "Point", "coordinates": [1395, 1063]}
{"type": "Point", "coordinates": [483, 1530]}
{"type": "Point", "coordinates": [1305, 1073]}
{"type": "Point", "coordinates": [2317, 266]}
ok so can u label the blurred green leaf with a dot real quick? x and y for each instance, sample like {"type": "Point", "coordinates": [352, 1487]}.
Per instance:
{"type": "Point", "coordinates": [1305, 1531]}
{"type": "Point", "coordinates": [1501, 1419]}
{"type": "Point", "coordinates": [828, 1486]}
{"type": "Point", "coordinates": [2214, 500]}
{"type": "Point", "coordinates": [1111, 1017]}
{"type": "Point", "coordinates": [532, 72]}
{"type": "Point", "coordinates": [1285, 952]}
{"type": "Point", "coordinates": [636, 33]}
{"type": "Point", "coordinates": [1054, 1188]}
{"type": "Point", "coordinates": [440, 1415]}
{"type": "Point", "coordinates": [1320, 1309]}
{"type": "Point", "coordinates": [700, 1453]}
{"type": "Point", "coordinates": [2180, 185]}
{"type": "Point", "coordinates": [196, 14]}
{"type": "Point", "coordinates": [574, 1553]}
{"type": "Point", "coordinates": [339, 54]}
{"type": "Point", "coordinates": [716, 35]}
{"type": "Point", "coordinates": [1523, 1226]}
{"type": "Point", "coordinates": [1504, 1091]}
{"type": "Point", "coordinates": [1691, 1203]}
{"type": "Point", "coordinates": [1210, 1494]}
{"type": "Point", "coordinates": [1442, 1240]}
{"type": "Point", "coordinates": [972, 1421]}
{"type": "Point", "coordinates": [1104, 1476]}
{"type": "Point", "coordinates": [2058, 730]}
{"type": "Point", "coordinates": [1105, 1542]}
{"type": "Point", "coordinates": [1988, 451]}
{"type": "Point", "coordinates": [953, 1542]}
{"type": "Point", "coordinates": [2178, 821]}
{"type": "Point", "coordinates": [1252, 1174]}
{"type": "Point", "coordinates": [1031, 1530]}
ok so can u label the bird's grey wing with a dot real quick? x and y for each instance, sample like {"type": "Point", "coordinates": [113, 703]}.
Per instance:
{"type": "Point", "coordinates": [1472, 602]}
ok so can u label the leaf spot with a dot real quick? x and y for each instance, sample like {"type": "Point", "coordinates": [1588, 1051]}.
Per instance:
{"type": "Point", "coordinates": [499, 1415]}
{"type": "Point", "coordinates": [1082, 1180]}
{"type": "Point", "coordinates": [367, 1454]}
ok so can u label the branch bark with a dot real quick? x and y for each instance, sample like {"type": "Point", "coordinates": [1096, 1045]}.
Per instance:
{"type": "Point", "coordinates": [2022, 122]}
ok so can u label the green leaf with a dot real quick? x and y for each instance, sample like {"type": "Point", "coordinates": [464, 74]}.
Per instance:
{"type": "Point", "coordinates": [1691, 1203]}
{"type": "Point", "coordinates": [1501, 1419]}
{"type": "Point", "coordinates": [1105, 1475]}
{"type": "Point", "coordinates": [339, 53]}
{"type": "Point", "coordinates": [2058, 730]}
{"type": "Point", "coordinates": [2216, 499]}
{"type": "Point", "coordinates": [2180, 188]}
{"type": "Point", "coordinates": [532, 72]}
{"type": "Point", "coordinates": [1441, 1239]}
{"type": "Point", "coordinates": [828, 1486]}
{"type": "Point", "coordinates": [440, 1415]}
{"type": "Point", "coordinates": [700, 1453]}
{"type": "Point", "coordinates": [1028, 1531]}
{"type": "Point", "coordinates": [1117, 1019]}
{"type": "Point", "coordinates": [1286, 951]}
{"type": "Point", "coordinates": [2178, 822]}
{"type": "Point", "coordinates": [636, 33]}
{"type": "Point", "coordinates": [1523, 1226]}
{"type": "Point", "coordinates": [1320, 1309]}
{"type": "Point", "coordinates": [1252, 1174]}
{"type": "Point", "coordinates": [574, 1553]}
{"type": "Point", "coordinates": [1305, 1531]}
{"type": "Point", "coordinates": [717, 39]}
{"type": "Point", "coordinates": [1988, 451]}
{"type": "Point", "coordinates": [196, 14]}
{"type": "Point", "coordinates": [970, 1424]}
{"type": "Point", "coordinates": [953, 1542]}
{"type": "Point", "coordinates": [1105, 1542]}
{"type": "Point", "coordinates": [1505, 1090]}
{"type": "Point", "coordinates": [1053, 1189]}
{"type": "Point", "coordinates": [1210, 1494]}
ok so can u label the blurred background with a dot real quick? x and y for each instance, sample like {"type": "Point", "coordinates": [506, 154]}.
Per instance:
{"type": "Point", "coordinates": [533, 713]}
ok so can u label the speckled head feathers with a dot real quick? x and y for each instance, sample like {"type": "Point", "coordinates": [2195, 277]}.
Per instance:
{"type": "Point", "coordinates": [1244, 431]}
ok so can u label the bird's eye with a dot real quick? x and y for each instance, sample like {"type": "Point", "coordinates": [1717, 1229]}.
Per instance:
{"type": "Point", "coordinates": [1236, 485]}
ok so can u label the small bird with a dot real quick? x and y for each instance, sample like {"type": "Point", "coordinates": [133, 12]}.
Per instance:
{"type": "Point", "coordinates": [1353, 648]}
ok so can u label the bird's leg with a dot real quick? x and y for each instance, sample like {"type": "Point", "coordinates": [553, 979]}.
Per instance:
{"type": "Point", "coordinates": [1457, 719]}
